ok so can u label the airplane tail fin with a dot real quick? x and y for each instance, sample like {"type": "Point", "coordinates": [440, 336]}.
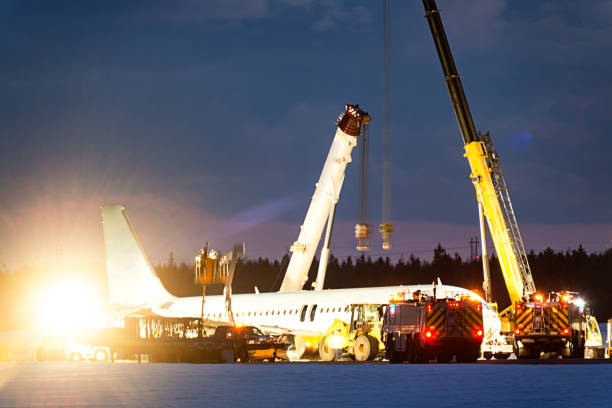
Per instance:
{"type": "Point", "coordinates": [132, 280]}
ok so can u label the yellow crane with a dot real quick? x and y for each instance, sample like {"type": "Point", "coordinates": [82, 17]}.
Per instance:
{"type": "Point", "coordinates": [487, 177]}
{"type": "Point", "coordinates": [559, 323]}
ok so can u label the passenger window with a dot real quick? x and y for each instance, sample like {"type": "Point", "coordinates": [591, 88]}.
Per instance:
{"type": "Point", "coordinates": [346, 309]}
{"type": "Point", "coordinates": [249, 314]}
{"type": "Point", "coordinates": [327, 310]}
{"type": "Point", "coordinates": [285, 311]}
{"type": "Point", "coordinates": [313, 311]}
{"type": "Point", "coordinates": [272, 313]}
{"type": "Point", "coordinates": [303, 314]}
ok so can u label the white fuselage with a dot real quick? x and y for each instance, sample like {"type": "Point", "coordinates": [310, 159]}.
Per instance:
{"type": "Point", "coordinates": [303, 312]}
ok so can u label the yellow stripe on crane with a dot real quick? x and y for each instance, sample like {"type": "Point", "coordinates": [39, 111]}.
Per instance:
{"type": "Point", "coordinates": [486, 195]}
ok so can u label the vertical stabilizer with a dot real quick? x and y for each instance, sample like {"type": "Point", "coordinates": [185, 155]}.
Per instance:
{"type": "Point", "coordinates": [131, 278]}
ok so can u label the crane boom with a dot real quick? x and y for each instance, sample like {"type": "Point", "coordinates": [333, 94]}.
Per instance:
{"type": "Point", "coordinates": [324, 199]}
{"type": "Point", "coordinates": [487, 177]}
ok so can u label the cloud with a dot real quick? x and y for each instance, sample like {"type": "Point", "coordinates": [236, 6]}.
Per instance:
{"type": "Point", "coordinates": [337, 14]}
{"type": "Point", "coordinates": [333, 13]}
{"type": "Point", "coordinates": [212, 10]}
{"type": "Point", "coordinates": [473, 22]}
{"type": "Point", "coordinates": [299, 3]}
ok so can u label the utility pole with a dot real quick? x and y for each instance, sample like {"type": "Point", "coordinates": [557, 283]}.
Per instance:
{"type": "Point", "coordinates": [474, 248]}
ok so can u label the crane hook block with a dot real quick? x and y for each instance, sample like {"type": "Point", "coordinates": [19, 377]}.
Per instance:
{"type": "Point", "coordinates": [352, 119]}
{"type": "Point", "coordinates": [362, 235]}
{"type": "Point", "coordinates": [385, 230]}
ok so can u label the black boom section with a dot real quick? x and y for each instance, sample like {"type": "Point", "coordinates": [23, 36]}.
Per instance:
{"type": "Point", "coordinates": [453, 81]}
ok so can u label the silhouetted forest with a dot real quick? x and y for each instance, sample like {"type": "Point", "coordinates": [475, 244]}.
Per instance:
{"type": "Point", "coordinates": [589, 274]}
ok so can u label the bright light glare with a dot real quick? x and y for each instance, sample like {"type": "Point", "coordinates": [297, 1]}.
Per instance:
{"type": "Point", "coordinates": [335, 341]}
{"type": "Point", "coordinates": [67, 307]}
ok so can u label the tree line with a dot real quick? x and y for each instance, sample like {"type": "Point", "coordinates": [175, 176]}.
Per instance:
{"type": "Point", "coordinates": [589, 274]}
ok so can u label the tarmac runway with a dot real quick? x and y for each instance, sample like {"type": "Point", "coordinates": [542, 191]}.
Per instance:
{"type": "Point", "coordinates": [304, 385]}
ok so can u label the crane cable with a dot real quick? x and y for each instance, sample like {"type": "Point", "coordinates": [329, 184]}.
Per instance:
{"type": "Point", "coordinates": [386, 227]}
{"type": "Point", "coordinates": [362, 229]}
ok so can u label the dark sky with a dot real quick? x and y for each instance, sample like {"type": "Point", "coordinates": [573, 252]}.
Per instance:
{"type": "Point", "coordinates": [212, 119]}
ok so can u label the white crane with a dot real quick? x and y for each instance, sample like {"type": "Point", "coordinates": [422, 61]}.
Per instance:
{"type": "Point", "coordinates": [323, 203]}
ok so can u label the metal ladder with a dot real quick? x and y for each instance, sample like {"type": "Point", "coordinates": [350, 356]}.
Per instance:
{"type": "Point", "coordinates": [503, 197]}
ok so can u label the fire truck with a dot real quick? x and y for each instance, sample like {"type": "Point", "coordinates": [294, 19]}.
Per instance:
{"type": "Point", "coordinates": [560, 324]}
{"type": "Point", "coordinates": [420, 328]}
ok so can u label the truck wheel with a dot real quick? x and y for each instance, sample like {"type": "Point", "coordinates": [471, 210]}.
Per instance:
{"type": "Point", "coordinates": [468, 355]}
{"type": "Point", "coordinates": [412, 350]}
{"type": "Point", "coordinates": [244, 354]}
{"type": "Point", "coordinates": [421, 355]}
{"type": "Point", "coordinates": [396, 357]}
{"type": "Point", "coordinates": [530, 352]}
{"type": "Point", "coordinates": [363, 348]}
{"type": "Point", "coordinates": [375, 347]}
{"type": "Point", "coordinates": [577, 352]}
{"type": "Point", "coordinates": [445, 356]}
{"type": "Point", "coordinates": [326, 353]}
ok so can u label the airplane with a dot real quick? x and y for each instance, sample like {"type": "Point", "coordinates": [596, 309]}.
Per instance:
{"type": "Point", "coordinates": [133, 284]}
